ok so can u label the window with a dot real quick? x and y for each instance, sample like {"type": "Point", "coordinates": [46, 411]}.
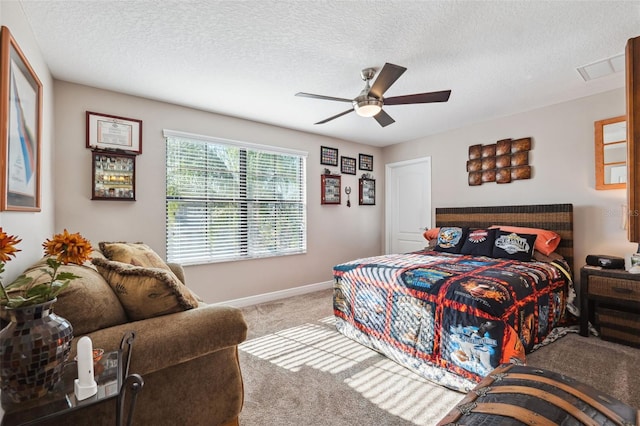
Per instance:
{"type": "Point", "coordinates": [229, 200]}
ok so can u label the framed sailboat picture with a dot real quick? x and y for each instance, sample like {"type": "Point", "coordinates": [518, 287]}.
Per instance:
{"type": "Point", "coordinates": [21, 115]}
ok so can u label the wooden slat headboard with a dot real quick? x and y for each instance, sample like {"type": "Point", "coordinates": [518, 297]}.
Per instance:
{"type": "Point", "coordinates": [555, 217]}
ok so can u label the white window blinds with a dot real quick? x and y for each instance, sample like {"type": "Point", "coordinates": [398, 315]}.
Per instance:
{"type": "Point", "coordinates": [228, 200]}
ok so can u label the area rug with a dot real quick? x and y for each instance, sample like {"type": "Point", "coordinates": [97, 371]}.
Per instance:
{"type": "Point", "coordinates": [298, 370]}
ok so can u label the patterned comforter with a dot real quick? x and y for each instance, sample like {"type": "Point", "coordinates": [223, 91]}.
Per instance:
{"type": "Point", "coordinates": [450, 318]}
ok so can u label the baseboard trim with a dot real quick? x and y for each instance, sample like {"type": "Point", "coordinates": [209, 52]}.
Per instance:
{"type": "Point", "coordinates": [275, 295]}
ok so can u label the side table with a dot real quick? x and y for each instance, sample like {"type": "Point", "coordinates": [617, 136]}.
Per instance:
{"type": "Point", "coordinates": [610, 298]}
{"type": "Point", "coordinates": [112, 376]}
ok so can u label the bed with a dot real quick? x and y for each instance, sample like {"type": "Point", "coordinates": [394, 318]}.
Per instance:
{"type": "Point", "coordinates": [453, 318]}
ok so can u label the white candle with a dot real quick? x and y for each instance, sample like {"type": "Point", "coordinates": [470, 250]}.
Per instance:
{"type": "Point", "coordinates": [85, 361]}
{"type": "Point", "coordinates": [85, 385]}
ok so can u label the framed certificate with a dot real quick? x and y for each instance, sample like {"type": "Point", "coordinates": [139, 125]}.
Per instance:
{"type": "Point", "coordinates": [115, 133]}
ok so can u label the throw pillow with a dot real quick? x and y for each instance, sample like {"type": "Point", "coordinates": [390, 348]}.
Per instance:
{"type": "Point", "coordinates": [88, 303]}
{"type": "Point", "coordinates": [137, 254]}
{"type": "Point", "coordinates": [510, 245]}
{"type": "Point", "coordinates": [146, 292]}
{"type": "Point", "coordinates": [546, 241]}
{"type": "Point", "coordinates": [431, 234]}
{"type": "Point", "coordinates": [451, 239]}
{"type": "Point", "coordinates": [479, 242]}
{"type": "Point", "coordinates": [140, 254]}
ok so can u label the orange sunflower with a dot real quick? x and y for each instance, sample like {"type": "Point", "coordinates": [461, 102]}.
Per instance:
{"type": "Point", "coordinates": [68, 248]}
{"type": "Point", "coordinates": [7, 246]}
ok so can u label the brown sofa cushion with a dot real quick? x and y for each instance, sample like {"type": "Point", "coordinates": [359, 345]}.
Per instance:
{"type": "Point", "coordinates": [88, 303]}
{"type": "Point", "coordinates": [137, 254]}
{"type": "Point", "coordinates": [140, 254]}
{"type": "Point", "coordinates": [146, 292]}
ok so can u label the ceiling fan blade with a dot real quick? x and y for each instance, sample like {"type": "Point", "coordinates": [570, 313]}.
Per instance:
{"type": "Point", "coordinates": [389, 74]}
{"type": "Point", "coordinates": [326, 98]}
{"type": "Point", "coordinates": [335, 116]}
{"type": "Point", "coordinates": [383, 118]}
{"type": "Point", "coordinates": [419, 98]}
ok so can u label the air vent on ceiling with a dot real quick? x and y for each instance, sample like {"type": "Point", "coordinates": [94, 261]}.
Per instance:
{"type": "Point", "coordinates": [602, 68]}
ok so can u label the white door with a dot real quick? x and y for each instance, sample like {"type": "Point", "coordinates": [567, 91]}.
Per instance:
{"type": "Point", "coordinates": [407, 204]}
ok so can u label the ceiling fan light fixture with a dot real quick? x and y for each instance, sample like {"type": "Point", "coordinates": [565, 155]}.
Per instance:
{"type": "Point", "coordinates": [368, 107]}
{"type": "Point", "coordinates": [370, 101]}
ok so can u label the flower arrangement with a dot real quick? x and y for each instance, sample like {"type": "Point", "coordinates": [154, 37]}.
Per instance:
{"type": "Point", "coordinates": [63, 249]}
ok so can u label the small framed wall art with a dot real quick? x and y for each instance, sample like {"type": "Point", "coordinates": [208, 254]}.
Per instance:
{"type": "Point", "coordinates": [367, 193]}
{"type": "Point", "coordinates": [114, 176]}
{"type": "Point", "coordinates": [365, 162]}
{"type": "Point", "coordinates": [330, 189]}
{"type": "Point", "coordinates": [348, 165]}
{"type": "Point", "coordinates": [328, 156]}
{"type": "Point", "coordinates": [115, 133]}
{"type": "Point", "coordinates": [20, 130]}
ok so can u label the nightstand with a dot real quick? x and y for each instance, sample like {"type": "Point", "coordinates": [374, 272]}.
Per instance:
{"type": "Point", "coordinates": [610, 299]}
{"type": "Point", "coordinates": [113, 379]}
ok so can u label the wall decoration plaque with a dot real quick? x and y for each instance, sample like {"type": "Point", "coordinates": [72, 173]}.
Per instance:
{"type": "Point", "coordinates": [503, 147]}
{"type": "Point", "coordinates": [475, 152]}
{"type": "Point", "coordinates": [348, 165]}
{"type": "Point", "coordinates": [330, 189]}
{"type": "Point", "coordinates": [365, 162]}
{"type": "Point", "coordinates": [502, 162]}
{"type": "Point", "coordinates": [114, 176]}
{"type": "Point", "coordinates": [474, 165]}
{"type": "Point", "coordinates": [328, 156]}
{"type": "Point", "coordinates": [367, 192]}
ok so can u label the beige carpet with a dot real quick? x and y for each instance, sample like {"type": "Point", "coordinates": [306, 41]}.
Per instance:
{"type": "Point", "coordinates": [298, 370]}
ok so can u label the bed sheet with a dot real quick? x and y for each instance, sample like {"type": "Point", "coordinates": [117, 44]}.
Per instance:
{"type": "Point", "coordinates": [451, 318]}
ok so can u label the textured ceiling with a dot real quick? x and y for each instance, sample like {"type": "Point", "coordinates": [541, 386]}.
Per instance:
{"type": "Point", "coordinates": [248, 58]}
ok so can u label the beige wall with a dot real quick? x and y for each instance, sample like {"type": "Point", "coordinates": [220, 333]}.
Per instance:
{"type": "Point", "coordinates": [334, 234]}
{"type": "Point", "coordinates": [562, 158]}
{"type": "Point", "coordinates": [32, 227]}
{"type": "Point", "coordinates": [563, 168]}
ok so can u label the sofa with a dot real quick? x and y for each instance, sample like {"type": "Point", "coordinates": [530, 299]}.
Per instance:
{"type": "Point", "coordinates": [186, 351]}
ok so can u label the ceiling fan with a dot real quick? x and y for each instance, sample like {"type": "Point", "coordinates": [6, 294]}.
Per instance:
{"type": "Point", "coordinates": [370, 101]}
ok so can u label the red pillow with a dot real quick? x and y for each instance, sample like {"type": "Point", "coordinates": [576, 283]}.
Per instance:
{"type": "Point", "coordinates": [546, 241]}
{"type": "Point", "coordinates": [431, 234]}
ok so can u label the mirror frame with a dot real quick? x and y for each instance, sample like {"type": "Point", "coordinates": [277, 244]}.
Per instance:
{"type": "Point", "coordinates": [599, 143]}
{"type": "Point", "coordinates": [632, 80]}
